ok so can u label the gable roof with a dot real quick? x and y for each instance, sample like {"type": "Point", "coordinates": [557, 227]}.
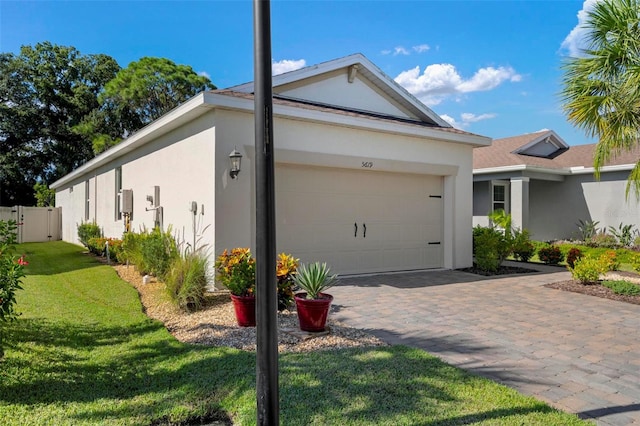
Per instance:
{"type": "Point", "coordinates": [429, 124]}
{"type": "Point", "coordinates": [511, 153]}
{"type": "Point", "coordinates": [356, 64]}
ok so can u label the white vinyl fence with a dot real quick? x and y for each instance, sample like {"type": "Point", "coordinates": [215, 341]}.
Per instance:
{"type": "Point", "coordinates": [35, 224]}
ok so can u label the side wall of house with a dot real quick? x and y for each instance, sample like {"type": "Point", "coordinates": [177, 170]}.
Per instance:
{"type": "Point", "coordinates": [556, 207]}
{"type": "Point", "coordinates": [181, 163]}
{"type": "Point", "coordinates": [316, 144]}
{"type": "Point", "coordinates": [481, 203]}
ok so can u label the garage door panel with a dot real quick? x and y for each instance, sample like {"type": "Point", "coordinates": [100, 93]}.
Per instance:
{"type": "Point", "coordinates": [317, 209]}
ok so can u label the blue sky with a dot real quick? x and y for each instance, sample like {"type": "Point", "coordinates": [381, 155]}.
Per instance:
{"type": "Point", "coordinates": [489, 67]}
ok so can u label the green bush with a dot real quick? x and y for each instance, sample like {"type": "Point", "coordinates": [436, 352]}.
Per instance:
{"type": "Point", "coordinates": [490, 248]}
{"type": "Point", "coordinates": [624, 234]}
{"type": "Point", "coordinates": [622, 287]}
{"type": "Point", "coordinates": [635, 263]}
{"type": "Point", "coordinates": [150, 252]}
{"type": "Point", "coordinates": [98, 247]}
{"type": "Point", "coordinates": [158, 249]}
{"type": "Point", "coordinates": [88, 230]}
{"type": "Point", "coordinates": [522, 247]}
{"type": "Point", "coordinates": [11, 273]}
{"type": "Point", "coordinates": [186, 280]}
{"type": "Point", "coordinates": [588, 269]}
{"type": "Point", "coordinates": [604, 240]}
{"type": "Point", "coordinates": [550, 255]}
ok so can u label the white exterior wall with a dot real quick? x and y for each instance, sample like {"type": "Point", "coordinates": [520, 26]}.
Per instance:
{"type": "Point", "coordinates": [302, 142]}
{"type": "Point", "coordinates": [181, 163]}
{"type": "Point", "coordinates": [331, 89]}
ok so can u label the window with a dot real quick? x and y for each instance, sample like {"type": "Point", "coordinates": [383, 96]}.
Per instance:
{"type": "Point", "coordinates": [499, 197]}
{"type": "Point", "coordinates": [118, 188]}
{"type": "Point", "coordinates": [86, 202]}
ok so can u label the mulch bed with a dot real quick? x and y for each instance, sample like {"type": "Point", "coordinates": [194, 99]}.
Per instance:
{"type": "Point", "coordinates": [595, 289]}
{"type": "Point", "coordinates": [503, 270]}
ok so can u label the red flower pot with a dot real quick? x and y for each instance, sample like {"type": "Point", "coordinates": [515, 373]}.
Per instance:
{"type": "Point", "coordinates": [245, 307]}
{"type": "Point", "coordinates": [312, 313]}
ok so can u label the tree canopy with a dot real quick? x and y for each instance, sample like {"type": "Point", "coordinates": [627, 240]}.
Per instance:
{"type": "Point", "coordinates": [601, 93]}
{"type": "Point", "coordinates": [45, 92]}
{"type": "Point", "coordinates": [145, 90]}
{"type": "Point", "coordinates": [59, 108]}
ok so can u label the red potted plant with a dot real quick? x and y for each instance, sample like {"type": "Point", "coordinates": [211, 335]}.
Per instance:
{"type": "Point", "coordinates": [313, 304]}
{"type": "Point", "coordinates": [237, 272]}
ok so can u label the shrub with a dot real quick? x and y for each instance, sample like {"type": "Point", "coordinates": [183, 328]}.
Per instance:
{"type": "Point", "coordinates": [490, 247]}
{"type": "Point", "coordinates": [187, 279]}
{"type": "Point", "coordinates": [635, 263]}
{"type": "Point", "coordinates": [158, 249]}
{"type": "Point", "coordinates": [286, 268]}
{"type": "Point", "coordinates": [11, 273]}
{"type": "Point", "coordinates": [602, 239]}
{"type": "Point", "coordinates": [237, 271]}
{"type": "Point", "coordinates": [88, 230]}
{"type": "Point", "coordinates": [573, 255]}
{"type": "Point", "coordinates": [622, 287]}
{"type": "Point", "coordinates": [522, 247]}
{"type": "Point", "coordinates": [550, 255]}
{"type": "Point", "coordinates": [588, 269]}
{"type": "Point", "coordinates": [131, 252]}
{"type": "Point", "coordinates": [610, 259]}
{"type": "Point", "coordinates": [587, 229]}
{"type": "Point", "coordinates": [624, 234]}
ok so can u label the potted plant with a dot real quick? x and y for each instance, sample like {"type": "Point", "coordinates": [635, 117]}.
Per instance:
{"type": "Point", "coordinates": [313, 304]}
{"type": "Point", "coordinates": [237, 272]}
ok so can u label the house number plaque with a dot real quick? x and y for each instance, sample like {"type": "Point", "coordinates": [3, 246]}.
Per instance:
{"type": "Point", "coordinates": [367, 164]}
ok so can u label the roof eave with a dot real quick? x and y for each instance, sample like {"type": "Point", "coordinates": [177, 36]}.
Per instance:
{"type": "Point", "coordinates": [184, 113]}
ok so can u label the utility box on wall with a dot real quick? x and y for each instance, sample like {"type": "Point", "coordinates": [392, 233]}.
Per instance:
{"type": "Point", "coordinates": [126, 201]}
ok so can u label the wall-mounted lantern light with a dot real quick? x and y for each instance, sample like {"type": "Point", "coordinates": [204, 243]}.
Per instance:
{"type": "Point", "coordinates": [235, 158]}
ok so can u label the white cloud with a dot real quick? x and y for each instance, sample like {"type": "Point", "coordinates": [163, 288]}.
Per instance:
{"type": "Point", "coordinates": [466, 118]}
{"type": "Point", "coordinates": [421, 48]}
{"type": "Point", "coordinates": [450, 120]}
{"type": "Point", "coordinates": [575, 40]}
{"type": "Point", "coordinates": [399, 50]}
{"type": "Point", "coordinates": [286, 65]}
{"type": "Point", "coordinates": [439, 81]}
{"type": "Point", "coordinates": [386, 52]}
{"type": "Point", "coordinates": [204, 74]}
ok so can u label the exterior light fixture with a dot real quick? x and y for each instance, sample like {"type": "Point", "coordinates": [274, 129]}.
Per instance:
{"type": "Point", "coordinates": [235, 158]}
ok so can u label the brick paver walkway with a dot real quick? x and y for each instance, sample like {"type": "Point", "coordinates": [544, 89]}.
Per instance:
{"type": "Point", "coordinates": [579, 353]}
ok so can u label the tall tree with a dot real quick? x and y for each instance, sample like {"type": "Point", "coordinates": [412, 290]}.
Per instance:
{"type": "Point", "coordinates": [46, 93]}
{"type": "Point", "coordinates": [601, 93]}
{"type": "Point", "coordinates": [144, 91]}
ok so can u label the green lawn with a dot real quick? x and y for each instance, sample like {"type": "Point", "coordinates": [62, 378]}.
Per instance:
{"type": "Point", "coordinates": [84, 353]}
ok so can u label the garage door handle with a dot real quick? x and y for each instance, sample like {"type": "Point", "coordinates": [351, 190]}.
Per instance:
{"type": "Point", "coordinates": [364, 227]}
{"type": "Point", "coordinates": [355, 234]}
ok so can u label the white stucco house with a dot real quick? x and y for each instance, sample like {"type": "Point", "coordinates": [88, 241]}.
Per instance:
{"type": "Point", "coordinates": [368, 178]}
{"type": "Point", "coordinates": [548, 186]}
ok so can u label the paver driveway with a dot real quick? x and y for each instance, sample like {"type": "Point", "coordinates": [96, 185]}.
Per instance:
{"type": "Point", "coordinates": [579, 353]}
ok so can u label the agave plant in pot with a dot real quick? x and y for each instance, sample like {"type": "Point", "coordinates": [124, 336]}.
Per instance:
{"type": "Point", "coordinates": [312, 303]}
{"type": "Point", "coordinates": [237, 272]}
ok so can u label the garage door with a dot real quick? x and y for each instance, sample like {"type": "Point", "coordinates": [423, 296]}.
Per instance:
{"type": "Point", "coordinates": [359, 221]}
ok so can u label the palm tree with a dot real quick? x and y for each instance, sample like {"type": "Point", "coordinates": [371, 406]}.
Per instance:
{"type": "Point", "coordinates": [601, 93]}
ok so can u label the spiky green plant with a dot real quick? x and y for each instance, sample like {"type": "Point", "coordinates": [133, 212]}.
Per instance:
{"type": "Point", "coordinates": [314, 278]}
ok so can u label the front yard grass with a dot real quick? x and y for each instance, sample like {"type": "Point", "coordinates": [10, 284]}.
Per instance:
{"type": "Point", "coordinates": [83, 352]}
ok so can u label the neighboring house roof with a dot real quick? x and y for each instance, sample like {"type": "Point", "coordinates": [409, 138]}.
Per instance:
{"type": "Point", "coordinates": [522, 152]}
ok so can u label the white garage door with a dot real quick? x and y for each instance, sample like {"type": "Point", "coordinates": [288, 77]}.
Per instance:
{"type": "Point", "coordinates": [359, 221]}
